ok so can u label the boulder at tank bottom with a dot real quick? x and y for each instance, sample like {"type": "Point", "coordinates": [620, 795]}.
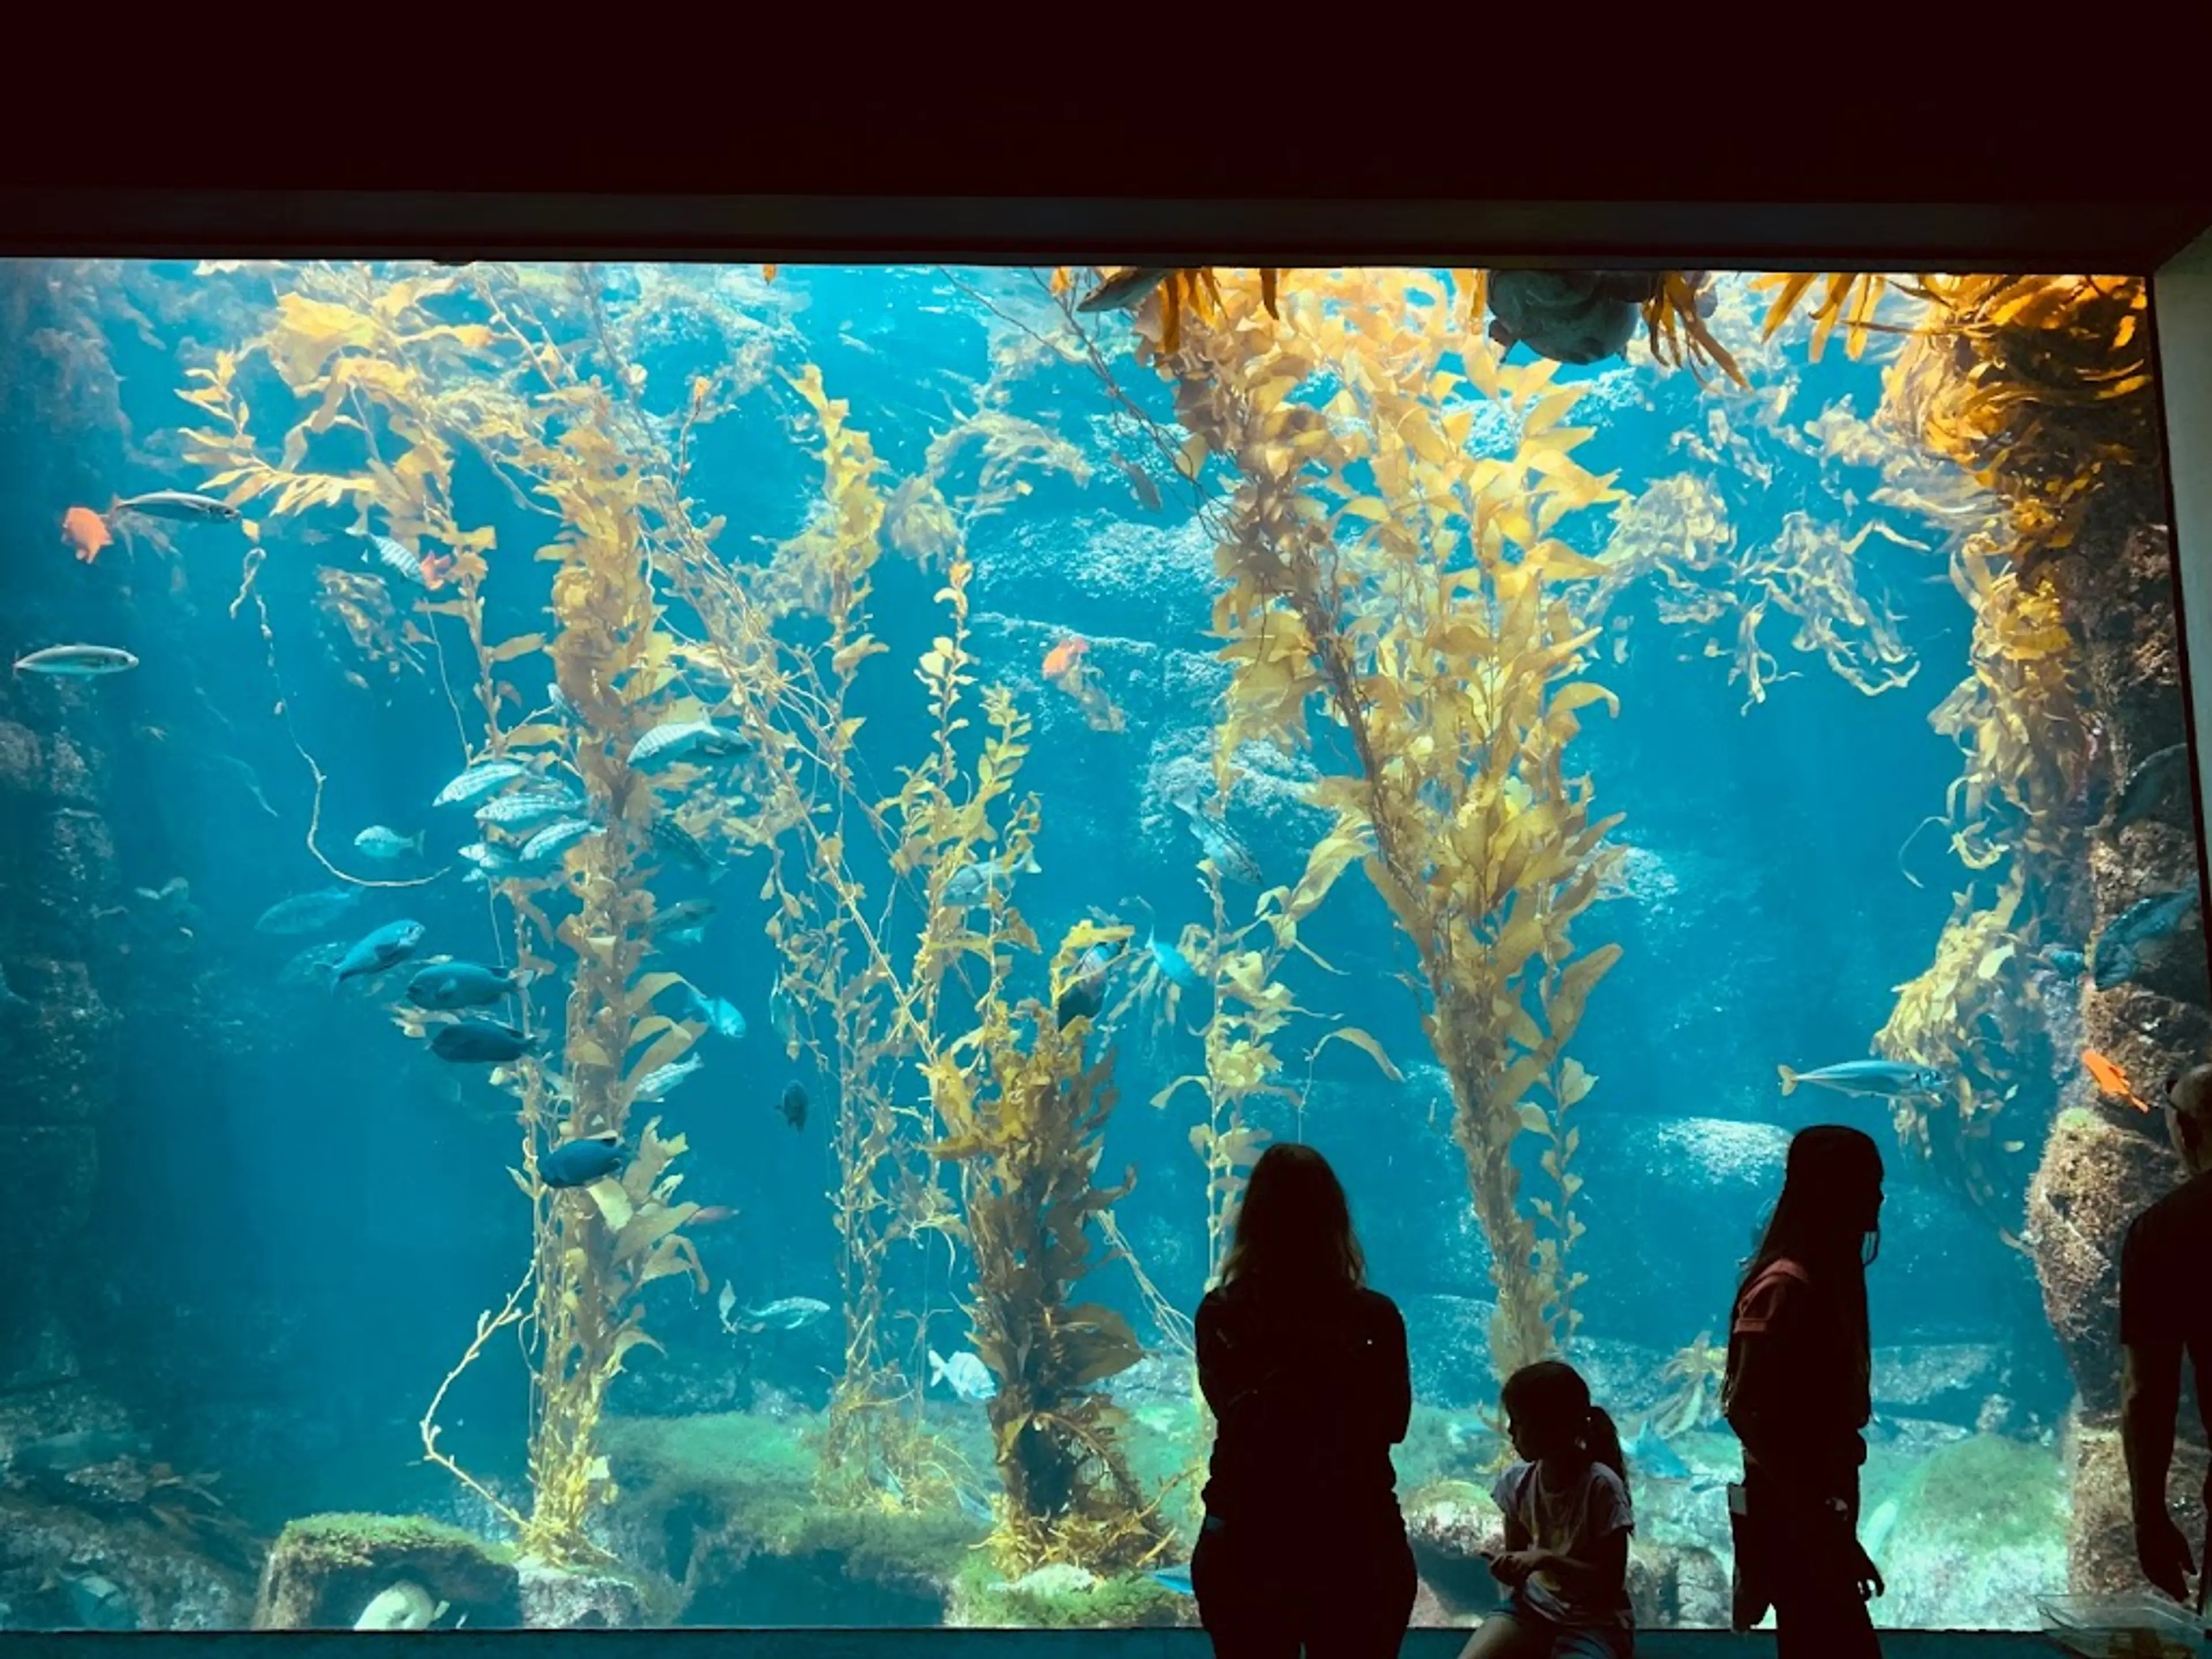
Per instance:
{"type": "Point", "coordinates": [66, 1567]}
{"type": "Point", "coordinates": [1062, 1596]}
{"type": "Point", "coordinates": [2100, 1543]}
{"type": "Point", "coordinates": [1451, 1524]}
{"type": "Point", "coordinates": [325, 1569]}
{"type": "Point", "coordinates": [722, 1512]}
{"type": "Point", "coordinates": [569, 1598]}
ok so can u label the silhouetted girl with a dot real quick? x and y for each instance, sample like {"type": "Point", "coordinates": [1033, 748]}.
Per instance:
{"type": "Point", "coordinates": [1567, 1522]}
{"type": "Point", "coordinates": [1797, 1395]}
{"type": "Point", "coordinates": [1305, 1370]}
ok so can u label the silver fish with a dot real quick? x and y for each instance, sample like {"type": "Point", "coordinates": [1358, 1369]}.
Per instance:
{"type": "Point", "coordinates": [380, 842]}
{"type": "Point", "coordinates": [178, 504]}
{"type": "Point", "coordinates": [973, 884]}
{"type": "Point", "coordinates": [307, 913]}
{"type": "Point", "coordinates": [966, 1375]}
{"type": "Point", "coordinates": [680, 740]}
{"type": "Point", "coordinates": [1889, 1080]}
{"type": "Point", "coordinates": [721, 1018]}
{"type": "Point", "coordinates": [479, 781]}
{"type": "Point", "coordinates": [1125, 290]}
{"type": "Point", "coordinates": [656, 1084]}
{"type": "Point", "coordinates": [78, 660]}
{"type": "Point", "coordinates": [393, 557]}
{"type": "Point", "coordinates": [788, 1313]}
{"type": "Point", "coordinates": [556, 839]}
{"type": "Point", "coordinates": [1237, 861]}
{"type": "Point", "coordinates": [524, 812]}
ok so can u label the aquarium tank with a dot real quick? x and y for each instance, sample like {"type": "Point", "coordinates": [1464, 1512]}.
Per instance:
{"type": "Point", "coordinates": [653, 913]}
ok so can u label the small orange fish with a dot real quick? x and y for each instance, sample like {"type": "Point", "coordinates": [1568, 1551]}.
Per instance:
{"type": "Point", "coordinates": [1065, 656]}
{"type": "Point", "coordinates": [437, 568]}
{"type": "Point", "coordinates": [85, 531]}
{"type": "Point", "coordinates": [2112, 1079]}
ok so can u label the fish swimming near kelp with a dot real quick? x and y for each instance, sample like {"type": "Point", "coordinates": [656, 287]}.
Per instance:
{"type": "Point", "coordinates": [450, 986]}
{"type": "Point", "coordinates": [685, 847]}
{"type": "Point", "coordinates": [1887, 1079]}
{"type": "Point", "coordinates": [428, 570]}
{"type": "Point", "coordinates": [485, 777]}
{"type": "Point", "coordinates": [580, 1163]}
{"type": "Point", "coordinates": [1125, 289]}
{"type": "Point", "coordinates": [2134, 939]}
{"type": "Point", "coordinates": [682, 923]}
{"type": "Point", "coordinates": [77, 661]}
{"type": "Point", "coordinates": [965, 1374]}
{"type": "Point", "coordinates": [1650, 1454]}
{"type": "Point", "coordinates": [1231, 855]}
{"type": "Point", "coordinates": [972, 885]}
{"type": "Point", "coordinates": [519, 814]}
{"type": "Point", "coordinates": [554, 839]}
{"type": "Point", "coordinates": [2063, 961]}
{"type": "Point", "coordinates": [85, 533]}
{"type": "Point", "coordinates": [387, 947]}
{"type": "Point", "coordinates": [1577, 317]}
{"type": "Point", "coordinates": [477, 1041]}
{"type": "Point", "coordinates": [180, 505]}
{"type": "Point", "coordinates": [658, 1084]}
{"type": "Point", "coordinates": [788, 1313]}
{"type": "Point", "coordinates": [2154, 778]}
{"type": "Point", "coordinates": [721, 1017]}
{"type": "Point", "coordinates": [794, 1105]}
{"type": "Point", "coordinates": [378, 842]}
{"type": "Point", "coordinates": [684, 740]}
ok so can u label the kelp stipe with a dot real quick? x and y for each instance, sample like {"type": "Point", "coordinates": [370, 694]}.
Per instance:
{"type": "Point", "coordinates": [1025, 1114]}
{"type": "Point", "coordinates": [1374, 562]}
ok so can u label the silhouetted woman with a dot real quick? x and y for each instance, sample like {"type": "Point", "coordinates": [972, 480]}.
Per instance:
{"type": "Point", "coordinates": [1797, 1395]}
{"type": "Point", "coordinates": [1305, 1370]}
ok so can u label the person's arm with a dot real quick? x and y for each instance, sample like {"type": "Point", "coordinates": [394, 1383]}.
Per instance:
{"type": "Point", "coordinates": [1602, 1572]}
{"type": "Point", "coordinates": [1395, 1406]}
{"type": "Point", "coordinates": [2150, 1400]}
{"type": "Point", "coordinates": [1220, 1367]}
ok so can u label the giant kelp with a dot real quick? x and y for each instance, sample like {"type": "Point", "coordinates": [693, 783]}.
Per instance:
{"type": "Point", "coordinates": [1377, 565]}
{"type": "Point", "coordinates": [1024, 1113]}
{"type": "Point", "coordinates": [383, 363]}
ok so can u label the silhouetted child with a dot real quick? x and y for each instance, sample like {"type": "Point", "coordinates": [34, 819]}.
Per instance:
{"type": "Point", "coordinates": [1567, 1522]}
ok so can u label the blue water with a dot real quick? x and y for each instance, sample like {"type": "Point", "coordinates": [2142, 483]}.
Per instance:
{"type": "Point", "coordinates": [298, 1214]}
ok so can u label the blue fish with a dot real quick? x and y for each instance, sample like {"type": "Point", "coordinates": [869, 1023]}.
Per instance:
{"type": "Point", "coordinates": [389, 945]}
{"type": "Point", "coordinates": [480, 1042]}
{"type": "Point", "coordinates": [450, 985]}
{"type": "Point", "coordinates": [721, 1017]}
{"type": "Point", "coordinates": [1174, 1578]}
{"type": "Point", "coordinates": [580, 1163]}
{"type": "Point", "coordinates": [1172, 961]}
{"type": "Point", "coordinates": [1649, 1453]}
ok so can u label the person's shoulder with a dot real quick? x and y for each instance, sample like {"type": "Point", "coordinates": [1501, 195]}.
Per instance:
{"type": "Point", "coordinates": [1774, 1287]}
{"type": "Point", "coordinates": [2181, 1221]}
{"type": "Point", "coordinates": [1214, 1306]}
{"type": "Point", "coordinates": [1373, 1305]}
{"type": "Point", "coordinates": [1603, 1479]}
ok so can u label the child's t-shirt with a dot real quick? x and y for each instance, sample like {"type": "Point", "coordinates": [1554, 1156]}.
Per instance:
{"type": "Point", "coordinates": [1569, 1523]}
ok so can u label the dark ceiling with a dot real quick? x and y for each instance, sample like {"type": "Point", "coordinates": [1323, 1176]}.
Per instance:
{"type": "Point", "coordinates": [1645, 174]}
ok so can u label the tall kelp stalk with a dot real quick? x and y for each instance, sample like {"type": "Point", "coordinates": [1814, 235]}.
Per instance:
{"type": "Point", "coordinates": [1376, 562]}
{"type": "Point", "coordinates": [1025, 1115]}
{"type": "Point", "coordinates": [385, 363]}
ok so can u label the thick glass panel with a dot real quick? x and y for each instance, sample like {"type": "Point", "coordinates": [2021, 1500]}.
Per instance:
{"type": "Point", "coordinates": [654, 916]}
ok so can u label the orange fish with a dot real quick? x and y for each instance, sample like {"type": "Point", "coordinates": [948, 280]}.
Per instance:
{"type": "Point", "coordinates": [2113, 1080]}
{"type": "Point", "coordinates": [1065, 656]}
{"type": "Point", "coordinates": [437, 568]}
{"type": "Point", "coordinates": [85, 531]}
